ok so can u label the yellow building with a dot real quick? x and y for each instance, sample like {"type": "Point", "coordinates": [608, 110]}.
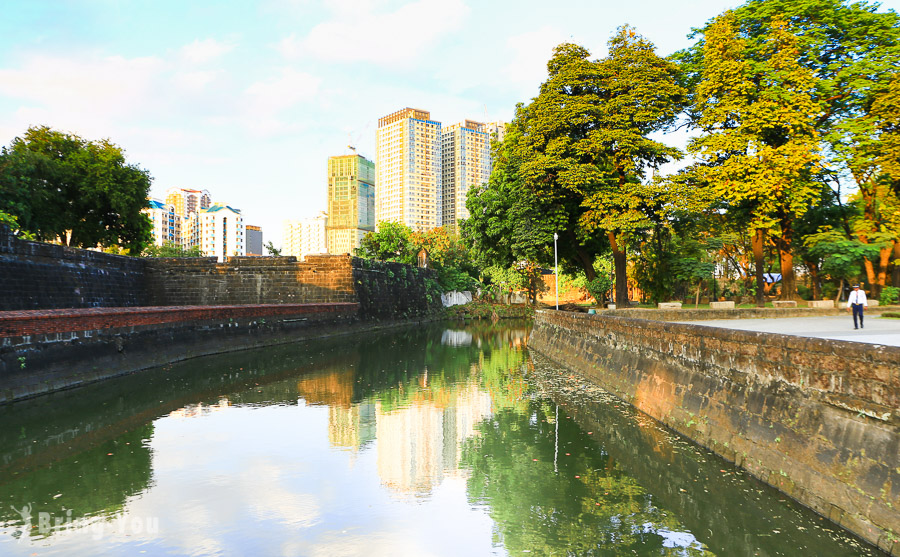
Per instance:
{"type": "Point", "coordinates": [408, 169]}
{"type": "Point", "coordinates": [351, 202]}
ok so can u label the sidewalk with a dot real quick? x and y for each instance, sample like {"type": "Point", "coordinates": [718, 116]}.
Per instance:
{"type": "Point", "coordinates": [878, 330]}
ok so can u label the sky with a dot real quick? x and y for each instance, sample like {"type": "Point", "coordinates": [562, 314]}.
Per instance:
{"type": "Point", "coordinates": [249, 99]}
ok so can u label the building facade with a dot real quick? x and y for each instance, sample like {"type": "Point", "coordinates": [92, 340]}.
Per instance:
{"type": "Point", "coordinates": [291, 238]}
{"type": "Point", "coordinates": [408, 187]}
{"type": "Point", "coordinates": [188, 201]}
{"type": "Point", "coordinates": [254, 240]}
{"type": "Point", "coordinates": [466, 151]}
{"type": "Point", "coordinates": [166, 222]}
{"type": "Point", "coordinates": [314, 236]}
{"type": "Point", "coordinates": [222, 233]}
{"type": "Point", "coordinates": [351, 202]}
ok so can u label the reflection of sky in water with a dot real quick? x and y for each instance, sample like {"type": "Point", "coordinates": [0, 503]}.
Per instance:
{"type": "Point", "coordinates": [462, 459]}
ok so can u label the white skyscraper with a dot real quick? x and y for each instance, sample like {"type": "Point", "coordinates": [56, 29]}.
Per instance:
{"type": "Point", "coordinates": [314, 238]}
{"type": "Point", "coordinates": [221, 232]}
{"type": "Point", "coordinates": [466, 163]}
{"type": "Point", "coordinates": [408, 186]}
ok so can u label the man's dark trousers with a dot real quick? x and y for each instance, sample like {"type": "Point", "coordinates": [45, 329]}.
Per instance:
{"type": "Point", "coordinates": [857, 310]}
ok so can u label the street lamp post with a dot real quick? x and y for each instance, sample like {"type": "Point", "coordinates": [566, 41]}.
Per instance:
{"type": "Point", "coordinates": [556, 269]}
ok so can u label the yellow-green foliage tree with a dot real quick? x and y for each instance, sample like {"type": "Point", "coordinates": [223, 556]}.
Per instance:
{"type": "Point", "coordinates": [759, 147]}
{"type": "Point", "coordinates": [586, 136]}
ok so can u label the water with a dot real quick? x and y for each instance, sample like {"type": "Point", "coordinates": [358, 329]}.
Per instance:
{"type": "Point", "coordinates": [444, 440]}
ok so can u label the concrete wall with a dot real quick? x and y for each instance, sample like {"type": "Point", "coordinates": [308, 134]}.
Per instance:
{"type": "Point", "coordinates": [34, 275]}
{"type": "Point", "coordinates": [815, 418]}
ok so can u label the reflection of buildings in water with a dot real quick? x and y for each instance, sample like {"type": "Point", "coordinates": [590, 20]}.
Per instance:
{"type": "Point", "coordinates": [418, 445]}
{"type": "Point", "coordinates": [456, 338]}
{"type": "Point", "coordinates": [351, 428]}
{"type": "Point", "coordinates": [200, 409]}
{"type": "Point", "coordinates": [334, 388]}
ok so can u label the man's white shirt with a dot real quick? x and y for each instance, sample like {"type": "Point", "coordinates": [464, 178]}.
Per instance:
{"type": "Point", "coordinates": [857, 297]}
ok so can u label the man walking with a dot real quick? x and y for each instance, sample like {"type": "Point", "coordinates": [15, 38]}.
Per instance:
{"type": "Point", "coordinates": [855, 303]}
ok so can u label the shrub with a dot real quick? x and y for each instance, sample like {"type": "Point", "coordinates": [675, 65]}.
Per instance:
{"type": "Point", "coordinates": [889, 295]}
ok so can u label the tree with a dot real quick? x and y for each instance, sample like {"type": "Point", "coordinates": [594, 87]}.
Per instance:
{"type": "Point", "coordinates": [759, 147]}
{"type": "Point", "coordinates": [391, 242]}
{"type": "Point", "coordinates": [77, 192]}
{"type": "Point", "coordinates": [272, 250]}
{"type": "Point", "coordinates": [169, 249]}
{"type": "Point", "coordinates": [573, 160]}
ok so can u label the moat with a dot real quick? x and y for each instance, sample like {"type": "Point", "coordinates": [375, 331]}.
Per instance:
{"type": "Point", "coordinates": [447, 439]}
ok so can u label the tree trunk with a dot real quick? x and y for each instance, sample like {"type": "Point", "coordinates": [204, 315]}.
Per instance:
{"type": "Point", "coordinates": [884, 260]}
{"type": "Point", "coordinates": [896, 279]}
{"type": "Point", "coordinates": [840, 291]}
{"type": "Point", "coordinates": [814, 276]}
{"type": "Point", "coordinates": [759, 238]}
{"type": "Point", "coordinates": [587, 263]}
{"type": "Point", "coordinates": [788, 278]}
{"type": "Point", "coordinates": [621, 271]}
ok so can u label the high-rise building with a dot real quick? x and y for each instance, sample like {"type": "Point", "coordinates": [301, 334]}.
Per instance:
{"type": "Point", "coordinates": [466, 153]}
{"type": "Point", "coordinates": [166, 222]}
{"type": "Point", "coordinates": [188, 201]}
{"type": "Point", "coordinates": [313, 238]}
{"type": "Point", "coordinates": [254, 244]}
{"type": "Point", "coordinates": [351, 202]}
{"type": "Point", "coordinates": [221, 232]}
{"type": "Point", "coordinates": [496, 130]}
{"type": "Point", "coordinates": [292, 238]}
{"type": "Point", "coordinates": [408, 169]}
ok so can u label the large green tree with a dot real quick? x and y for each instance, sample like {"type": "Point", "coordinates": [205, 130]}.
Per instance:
{"type": "Point", "coordinates": [80, 193]}
{"type": "Point", "coordinates": [574, 159]}
{"type": "Point", "coordinates": [759, 147]}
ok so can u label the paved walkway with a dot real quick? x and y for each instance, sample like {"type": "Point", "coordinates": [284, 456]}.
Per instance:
{"type": "Point", "coordinates": [878, 330]}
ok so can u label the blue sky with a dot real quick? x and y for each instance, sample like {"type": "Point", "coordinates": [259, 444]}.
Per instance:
{"type": "Point", "coordinates": [249, 99]}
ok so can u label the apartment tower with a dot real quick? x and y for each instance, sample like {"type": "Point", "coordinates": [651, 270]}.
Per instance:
{"type": "Point", "coordinates": [408, 170]}
{"type": "Point", "coordinates": [466, 154]}
{"type": "Point", "coordinates": [351, 202]}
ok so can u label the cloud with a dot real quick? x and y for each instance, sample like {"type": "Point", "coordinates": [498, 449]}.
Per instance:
{"type": "Point", "coordinates": [527, 66]}
{"type": "Point", "coordinates": [267, 99]}
{"type": "Point", "coordinates": [399, 37]}
{"type": "Point", "coordinates": [207, 50]}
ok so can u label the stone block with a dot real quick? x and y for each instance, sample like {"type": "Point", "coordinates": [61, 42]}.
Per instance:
{"type": "Point", "coordinates": [873, 303]}
{"type": "Point", "coordinates": [721, 305]}
{"type": "Point", "coordinates": [669, 305]}
{"type": "Point", "coordinates": [784, 304]}
{"type": "Point", "coordinates": [820, 304]}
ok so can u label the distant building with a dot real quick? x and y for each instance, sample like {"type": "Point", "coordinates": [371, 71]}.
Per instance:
{"type": "Point", "coordinates": [313, 238]}
{"type": "Point", "coordinates": [254, 244]}
{"type": "Point", "coordinates": [221, 232]}
{"type": "Point", "coordinates": [166, 222]}
{"type": "Point", "coordinates": [188, 201]}
{"type": "Point", "coordinates": [466, 152]}
{"type": "Point", "coordinates": [351, 202]}
{"type": "Point", "coordinates": [496, 130]}
{"type": "Point", "coordinates": [408, 169]}
{"type": "Point", "coordinates": [292, 238]}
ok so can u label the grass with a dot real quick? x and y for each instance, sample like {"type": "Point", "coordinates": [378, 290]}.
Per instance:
{"type": "Point", "coordinates": [891, 314]}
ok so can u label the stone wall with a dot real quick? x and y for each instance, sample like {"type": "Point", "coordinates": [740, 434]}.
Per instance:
{"type": "Point", "coordinates": [688, 313]}
{"type": "Point", "coordinates": [46, 351]}
{"type": "Point", "coordinates": [815, 418]}
{"type": "Point", "coordinates": [249, 280]}
{"type": "Point", "coordinates": [38, 276]}
{"type": "Point", "coordinates": [34, 275]}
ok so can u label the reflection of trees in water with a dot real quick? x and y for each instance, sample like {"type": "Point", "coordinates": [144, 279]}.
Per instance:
{"type": "Point", "coordinates": [95, 482]}
{"type": "Point", "coordinates": [582, 504]}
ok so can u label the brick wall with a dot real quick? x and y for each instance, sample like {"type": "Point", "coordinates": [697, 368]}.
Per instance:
{"type": "Point", "coordinates": [249, 280]}
{"type": "Point", "coordinates": [34, 275]}
{"type": "Point", "coordinates": [815, 418]}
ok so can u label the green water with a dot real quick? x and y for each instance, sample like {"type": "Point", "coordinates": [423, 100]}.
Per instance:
{"type": "Point", "coordinates": [440, 440]}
